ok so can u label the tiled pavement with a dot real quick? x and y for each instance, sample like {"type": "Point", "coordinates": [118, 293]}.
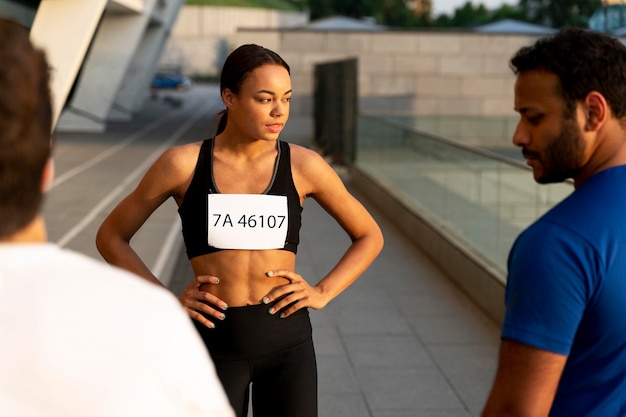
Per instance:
{"type": "Point", "coordinates": [403, 341]}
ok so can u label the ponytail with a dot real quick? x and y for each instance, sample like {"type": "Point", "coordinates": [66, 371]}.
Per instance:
{"type": "Point", "coordinates": [222, 118]}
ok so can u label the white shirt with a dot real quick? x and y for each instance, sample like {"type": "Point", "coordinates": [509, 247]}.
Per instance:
{"type": "Point", "coordinates": [81, 338]}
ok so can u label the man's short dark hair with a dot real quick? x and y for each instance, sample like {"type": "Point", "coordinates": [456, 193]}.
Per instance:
{"type": "Point", "coordinates": [584, 61]}
{"type": "Point", "coordinates": [25, 127]}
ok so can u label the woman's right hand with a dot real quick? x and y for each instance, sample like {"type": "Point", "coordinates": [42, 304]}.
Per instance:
{"type": "Point", "coordinates": [194, 301]}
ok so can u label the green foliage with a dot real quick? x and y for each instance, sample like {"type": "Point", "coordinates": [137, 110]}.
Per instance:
{"type": "Point", "coordinates": [261, 4]}
{"type": "Point", "coordinates": [560, 13]}
{"type": "Point", "coordinates": [352, 8]}
{"type": "Point", "coordinates": [321, 8]}
{"type": "Point", "coordinates": [509, 12]}
{"type": "Point", "coordinates": [395, 13]}
{"type": "Point", "coordinates": [299, 4]}
{"type": "Point", "coordinates": [470, 15]}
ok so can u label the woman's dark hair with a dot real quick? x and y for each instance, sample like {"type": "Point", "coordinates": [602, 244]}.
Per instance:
{"type": "Point", "coordinates": [584, 61]}
{"type": "Point", "coordinates": [241, 62]}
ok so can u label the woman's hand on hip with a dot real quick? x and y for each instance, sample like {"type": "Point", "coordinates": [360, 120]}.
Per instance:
{"type": "Point", "coordinates": [296, 294]}
{"type": "Point", "coordinates": [194, 301]}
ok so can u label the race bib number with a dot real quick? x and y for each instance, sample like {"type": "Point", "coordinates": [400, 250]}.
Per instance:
{"type": "Point", "coordinates": [247, 221]}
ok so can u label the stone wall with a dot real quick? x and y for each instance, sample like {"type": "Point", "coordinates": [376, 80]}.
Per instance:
{"type": "Point", "coordinates": [203, 36]}
{"type": "Point", "coordinates": [404, 73]}
{"type": "Point", "coordinates": [400, 72]}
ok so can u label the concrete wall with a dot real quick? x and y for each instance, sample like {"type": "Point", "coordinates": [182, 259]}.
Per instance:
{"type": "Point", "coordinates": [405, 73]}
{"type": "Point", "coordinates": [64, 29]}
{"type": "Point", "coordinates": [468, 269]}
{"type": "Point", "coordinates": [102, 54]}
{"type": "Point", "coordinates": [202, 36]}
{"type": "Point", "coordinates": [112, 71]}
{"type": "Point", "coordinates": [400, 72]}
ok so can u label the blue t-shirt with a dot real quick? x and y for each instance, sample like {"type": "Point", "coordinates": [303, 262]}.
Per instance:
{"type": "Point", "coordinates": [566, 293]}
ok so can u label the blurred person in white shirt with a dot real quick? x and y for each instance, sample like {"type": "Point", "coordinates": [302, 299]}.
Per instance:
{"type": "Point", "coordinates": [78, 337]}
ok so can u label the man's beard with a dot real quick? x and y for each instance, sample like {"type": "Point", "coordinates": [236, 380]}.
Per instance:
{"type": "Point", "coordinates": [562, 158]}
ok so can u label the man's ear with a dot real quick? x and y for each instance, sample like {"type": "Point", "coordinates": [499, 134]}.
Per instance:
{"type": "Point", "coordinates": [596, 111]}
{"type": "Point", "coordinates": [47, 176]}
{"type": "Point", "coordinates": [227, 97]}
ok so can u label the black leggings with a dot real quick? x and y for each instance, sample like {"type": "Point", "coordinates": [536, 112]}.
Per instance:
{"type": "Point", "coordinates": [275, 355]}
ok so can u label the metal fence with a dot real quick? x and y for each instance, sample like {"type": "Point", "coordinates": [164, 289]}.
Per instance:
{"type": "Point", "coordinates": [336, 109]}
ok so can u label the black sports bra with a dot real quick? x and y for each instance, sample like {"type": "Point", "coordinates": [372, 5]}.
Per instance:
{"type": "Point", "coordinates": [200, 225]}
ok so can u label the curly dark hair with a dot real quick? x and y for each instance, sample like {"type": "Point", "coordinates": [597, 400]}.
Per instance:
{"type": "Point", "coordinates": [25, 127]}
{"type": "Point", "coordinates": [584, 61]}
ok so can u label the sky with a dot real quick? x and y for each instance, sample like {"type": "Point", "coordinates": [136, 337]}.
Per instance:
{"type": "Point", "coordinates": [448, 6]}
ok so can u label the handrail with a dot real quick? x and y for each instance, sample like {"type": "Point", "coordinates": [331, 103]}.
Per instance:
{"type": "Point", "coordinates": [479, 151]}
{"type": "Point", "coordinates": [484, 205]}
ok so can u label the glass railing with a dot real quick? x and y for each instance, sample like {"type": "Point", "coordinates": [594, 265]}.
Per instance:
{"type": "Point", "coordinates": [482, 198]}
{"type": "Point", "coordinates": [491, 132]}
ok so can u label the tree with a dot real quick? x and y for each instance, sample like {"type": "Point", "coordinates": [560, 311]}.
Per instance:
{"type": "Point", "coordinates": [507, 11]}
{"type": "Point", "coordinates": [299, 4]}
{"type": "Point", "coordinates": [396, 13]}
{"type": "Point", "coordinates": [356, 8]}
{"type": "Point", "coordinates": [470, 15]}
{"type": "Point", "coordinates": [560, 13]}
{"type": "Point", "coordinates": [352, 8]}
{"type": "Point", "coordinates": [320, 8]}
{"type": "Point", "coordinates": [473, 15]}
{"type": "Point", "coordinates": [386, 12]}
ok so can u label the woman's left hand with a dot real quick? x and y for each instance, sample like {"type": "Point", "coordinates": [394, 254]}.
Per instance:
{"type": "Point", "coordinates": [297, 292]}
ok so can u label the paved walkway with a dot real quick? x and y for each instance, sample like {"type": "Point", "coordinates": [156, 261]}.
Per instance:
{"type": "Point", "coordinates": [403, 341]}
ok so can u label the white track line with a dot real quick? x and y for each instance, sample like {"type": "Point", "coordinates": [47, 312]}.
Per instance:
{"type": "Point", "coordinates": [166, 251]}
{"type": "Point", "coordinates": [109, 198]}
{"type": "Point", "coordinates": [112, 150]}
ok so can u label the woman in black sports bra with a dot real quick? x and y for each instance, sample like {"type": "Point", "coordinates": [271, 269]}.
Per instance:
{"type": "Point", "coordinates": [240, 196]}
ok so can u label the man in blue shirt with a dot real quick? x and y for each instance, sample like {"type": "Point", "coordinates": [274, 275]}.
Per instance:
{"type": "Point", "coordinates": [563, 349]}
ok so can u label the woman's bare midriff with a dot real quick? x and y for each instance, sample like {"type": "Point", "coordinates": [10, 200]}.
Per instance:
{"type": "Point", "coordinates": [242, 273]}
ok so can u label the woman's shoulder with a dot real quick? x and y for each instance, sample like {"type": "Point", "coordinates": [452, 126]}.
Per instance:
{"type": "Point", "coordinates": [304, 156]}
{"type": "Point", "coordinates": [184, 152]}
{"type": "Point", "coordinates": [311, 171]}
{"type": "Point", "coordinates": [181, 157]}
{"type": "Point", "coordinates": [175, 165]}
